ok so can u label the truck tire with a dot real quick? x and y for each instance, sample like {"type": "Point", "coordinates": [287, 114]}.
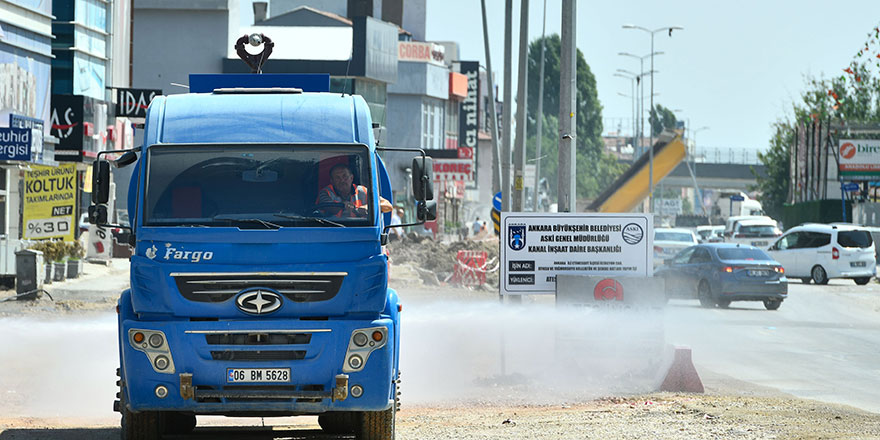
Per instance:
{"type": "Point", "coordinates": [339, 423]}
{"type": "Point", "coordinates": [145, 425]}
{"type": "Point", "coordinates": [378, 425]}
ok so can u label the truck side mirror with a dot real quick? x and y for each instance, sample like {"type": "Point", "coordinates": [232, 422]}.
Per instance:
{"type": "Point", "coordinates": [423, 178]}
{"type": "Point", "coordinates": [128, 158]}
{"type": "Point", "coordinates": [101, 181]}
{"type": "Point", "coordinates": [98, 214]}
{"type": "Point", "coordinates": [427, 211]}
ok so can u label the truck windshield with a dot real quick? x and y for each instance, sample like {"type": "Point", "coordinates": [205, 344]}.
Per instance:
{"type": "Point", "coordinates": [258, 186]}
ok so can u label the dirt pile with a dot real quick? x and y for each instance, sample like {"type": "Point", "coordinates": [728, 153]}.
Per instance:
{"type": "Point", "coordinates": [439, 257]}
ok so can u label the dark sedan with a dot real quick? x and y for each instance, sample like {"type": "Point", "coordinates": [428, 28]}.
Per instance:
{"type": "Point", "coordinates": [718, 273]}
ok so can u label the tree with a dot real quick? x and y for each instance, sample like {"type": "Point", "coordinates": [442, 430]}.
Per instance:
{"type": "Point", "coordinates": [595, 168]}
{"type": "Point", "coordinates": [666, 120]}
{"type": "Point", "coordinates": [853, 98]}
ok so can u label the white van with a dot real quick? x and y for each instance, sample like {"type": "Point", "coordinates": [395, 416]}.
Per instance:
{"type": "Point", "coordinates": [820, 252]}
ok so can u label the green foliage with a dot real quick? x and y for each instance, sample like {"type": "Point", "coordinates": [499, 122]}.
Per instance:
{"type": "Point", "coordinates": [665, 121]}
{"type": "Point", "coordinates": [773, 189]}
{"type": "Point", "coordinates": [53, 250]}
{"type": "Point", "coordinates": [595, 168]}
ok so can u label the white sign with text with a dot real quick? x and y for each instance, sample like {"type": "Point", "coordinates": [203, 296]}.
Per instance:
{"type": "Point", "coordinates": [537, 247]}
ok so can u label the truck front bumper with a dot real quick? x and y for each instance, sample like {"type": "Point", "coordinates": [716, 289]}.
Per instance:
{"type": "Point", "coordinates": [317, 356]}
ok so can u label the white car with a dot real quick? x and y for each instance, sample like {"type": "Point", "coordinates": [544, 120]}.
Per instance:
{"type": "Point", "coordinates": [819, 252]}
{"type": "Point", "coordinates": [732, 222]}
{"type": "Point", "coordinates": [759, 232]}
{"type": "Point", "coordinates": [710, 234]}
{"type": "Point", "coordinates": [670, 241]}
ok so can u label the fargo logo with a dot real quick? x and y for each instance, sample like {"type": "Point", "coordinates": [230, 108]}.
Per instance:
{"type": "Point", "coordinates": [172, 253]}
{"type": "Point", "coordinates": [847, 150]}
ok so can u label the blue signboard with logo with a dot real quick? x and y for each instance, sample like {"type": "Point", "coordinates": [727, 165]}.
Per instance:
{"type": "Point", "coordinates": [15, 143]}
{"type": "Point", "coordinates": [737, 198]}
{"type": "Point", "coordinates": [851, 187]}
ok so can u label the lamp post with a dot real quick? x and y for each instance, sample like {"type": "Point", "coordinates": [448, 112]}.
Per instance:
{"type": "Point", "coordinates": [651, 147]}
{"type": "Point", "coordinates": [633, 80]}
{"type": "Point", "coordinates": [640, 112]}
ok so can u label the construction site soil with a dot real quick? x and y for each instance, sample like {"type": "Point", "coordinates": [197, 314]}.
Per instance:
{"type": "Point", "coordinates": [729, 409]}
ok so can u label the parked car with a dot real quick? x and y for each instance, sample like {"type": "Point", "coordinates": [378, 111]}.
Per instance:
{"type": "Point", "coordinates": [710, 234]}
{"type": "Point", "coordinates": [719, 273]}
{"type": "Point", "coordinates": [757, 232]}
{"type": "Point", "coordinates": [820, 252]}
{"type": "Point", "coordinates": [669, 241]}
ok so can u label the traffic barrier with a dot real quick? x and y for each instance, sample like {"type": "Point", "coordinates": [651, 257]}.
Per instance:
{"type": "Point", "coordinates": [682, 375]}
{"type": "Point", "coordinates": [471, 268]}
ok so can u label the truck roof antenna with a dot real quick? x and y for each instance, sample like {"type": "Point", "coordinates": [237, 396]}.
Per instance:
{"type": "Point", "coordinates": [254, 61]}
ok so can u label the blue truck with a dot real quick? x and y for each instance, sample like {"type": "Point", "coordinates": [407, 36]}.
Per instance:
{"type": "Point", "coordinates": [252, 293]}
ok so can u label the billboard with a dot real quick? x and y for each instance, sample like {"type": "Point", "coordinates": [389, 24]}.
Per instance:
{"type": "Point", "coordinates": [467, 121]}
{"type": "Point", "coordinates": [49, 204]}
{"type": "Point", "coordinates": [859, 159]}
{"type": "Point", "coordinates": [537, 247]}
{"type": "Point", "coordinates": [133, 103]}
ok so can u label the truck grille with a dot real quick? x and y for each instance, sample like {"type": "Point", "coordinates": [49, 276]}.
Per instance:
{"type": "Point", "coordinates": [258, 355]}
{"type": "Point", "coordinates": [257, 338]}
{"type": "Point", "coordinates": [295, 286]}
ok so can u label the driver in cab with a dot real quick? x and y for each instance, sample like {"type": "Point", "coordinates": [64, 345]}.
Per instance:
{"type": "Point", "coordinates": [342, 198]}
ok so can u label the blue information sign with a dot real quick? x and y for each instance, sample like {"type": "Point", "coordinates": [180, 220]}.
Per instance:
{"type": "Point", "coordinates": [15, 143]}
{"type": "Point", "coordinates": [496, 201]}
{"type": "Point", "coordinates": [851, 187]}
{"type": "Point", "coordinates": [737, 198]}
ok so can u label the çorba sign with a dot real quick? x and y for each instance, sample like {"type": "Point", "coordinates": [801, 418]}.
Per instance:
{"type": "Point", "coordinates": [859, 157]}
{"type": "Point", "coordinates": [419, 51]}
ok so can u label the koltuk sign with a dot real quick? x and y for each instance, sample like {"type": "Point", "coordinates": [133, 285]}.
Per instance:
{"type": "Point", "coordinates": [49, 202]}
{"type": "Point", "coordinates": [133, 103]}
{"type": "Point", "coordinates": [859, 158]}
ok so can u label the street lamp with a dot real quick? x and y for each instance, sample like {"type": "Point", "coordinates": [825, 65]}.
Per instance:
{"type": "Point", "coordinates": [633, 80]}
{"type": "Point", "coordinates": [651, 147]}
{"type": "Point", "coordinates": [641, 109]}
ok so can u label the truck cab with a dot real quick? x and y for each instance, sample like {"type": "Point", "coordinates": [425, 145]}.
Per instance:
{"type": "Point", "coordinates": [259, 285]}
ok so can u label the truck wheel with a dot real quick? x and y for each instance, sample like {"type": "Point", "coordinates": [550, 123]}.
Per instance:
{"type": "Point", "coordinates": [179, 423]}
{"type": "Point", "coordinates": [338, 423]}
{"type": "Point", "coordinates": [378, 425]}
{"type": "Point", "coordinates": [145, 425]}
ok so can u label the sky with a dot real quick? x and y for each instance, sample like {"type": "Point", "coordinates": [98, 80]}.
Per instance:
{"type": "Point", "coordinates": [737, 67]}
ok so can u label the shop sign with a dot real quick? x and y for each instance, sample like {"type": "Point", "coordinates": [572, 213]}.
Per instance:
{"type": "Point", "coordinates": [537, 247]}
{"type": "Point", "coordinates": [421, 51]}
{"type": "Point", "coordinates": [467, 125]}
{"type": "Point", "coordinates": [15, 143]}
{"type": "Point", "coordinates": [49, 205]}
{"type": "Point", "coordinates": [859, 158]}
{"type": "Point", "coordinates": [133, 103]}
{"type": "Point", "coordinates": [80, 124]}
{"type": "Point", "coordinates": [453, 170]}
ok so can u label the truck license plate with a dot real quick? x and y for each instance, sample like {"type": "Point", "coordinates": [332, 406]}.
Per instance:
{"type": "Point", "coordinates": [239, 375]}
{"type": "Point", "coordinates": [857, 264]}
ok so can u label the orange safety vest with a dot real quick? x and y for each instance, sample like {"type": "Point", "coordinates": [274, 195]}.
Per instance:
{"type": "Point", "coordinates": [358, 196]}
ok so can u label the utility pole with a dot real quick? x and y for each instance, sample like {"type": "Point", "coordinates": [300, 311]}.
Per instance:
{"type": "Point", "coordinates": [540, 118]}
{"type": "Point", "coordinates": [522, 98]}
{"type": "Point", "coordinates": [493, 119]}
{"type": "Point", "coordinates": [505, 115]}
{"type": "Point", "coordinates": [567, 109]}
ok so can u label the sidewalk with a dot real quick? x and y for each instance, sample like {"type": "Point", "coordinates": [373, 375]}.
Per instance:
{"type": "Point", "coordinates": [95, 290]}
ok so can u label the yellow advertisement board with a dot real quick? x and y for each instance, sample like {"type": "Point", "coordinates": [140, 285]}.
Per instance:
{"type": "Point", "coordinates": [49, 202]}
